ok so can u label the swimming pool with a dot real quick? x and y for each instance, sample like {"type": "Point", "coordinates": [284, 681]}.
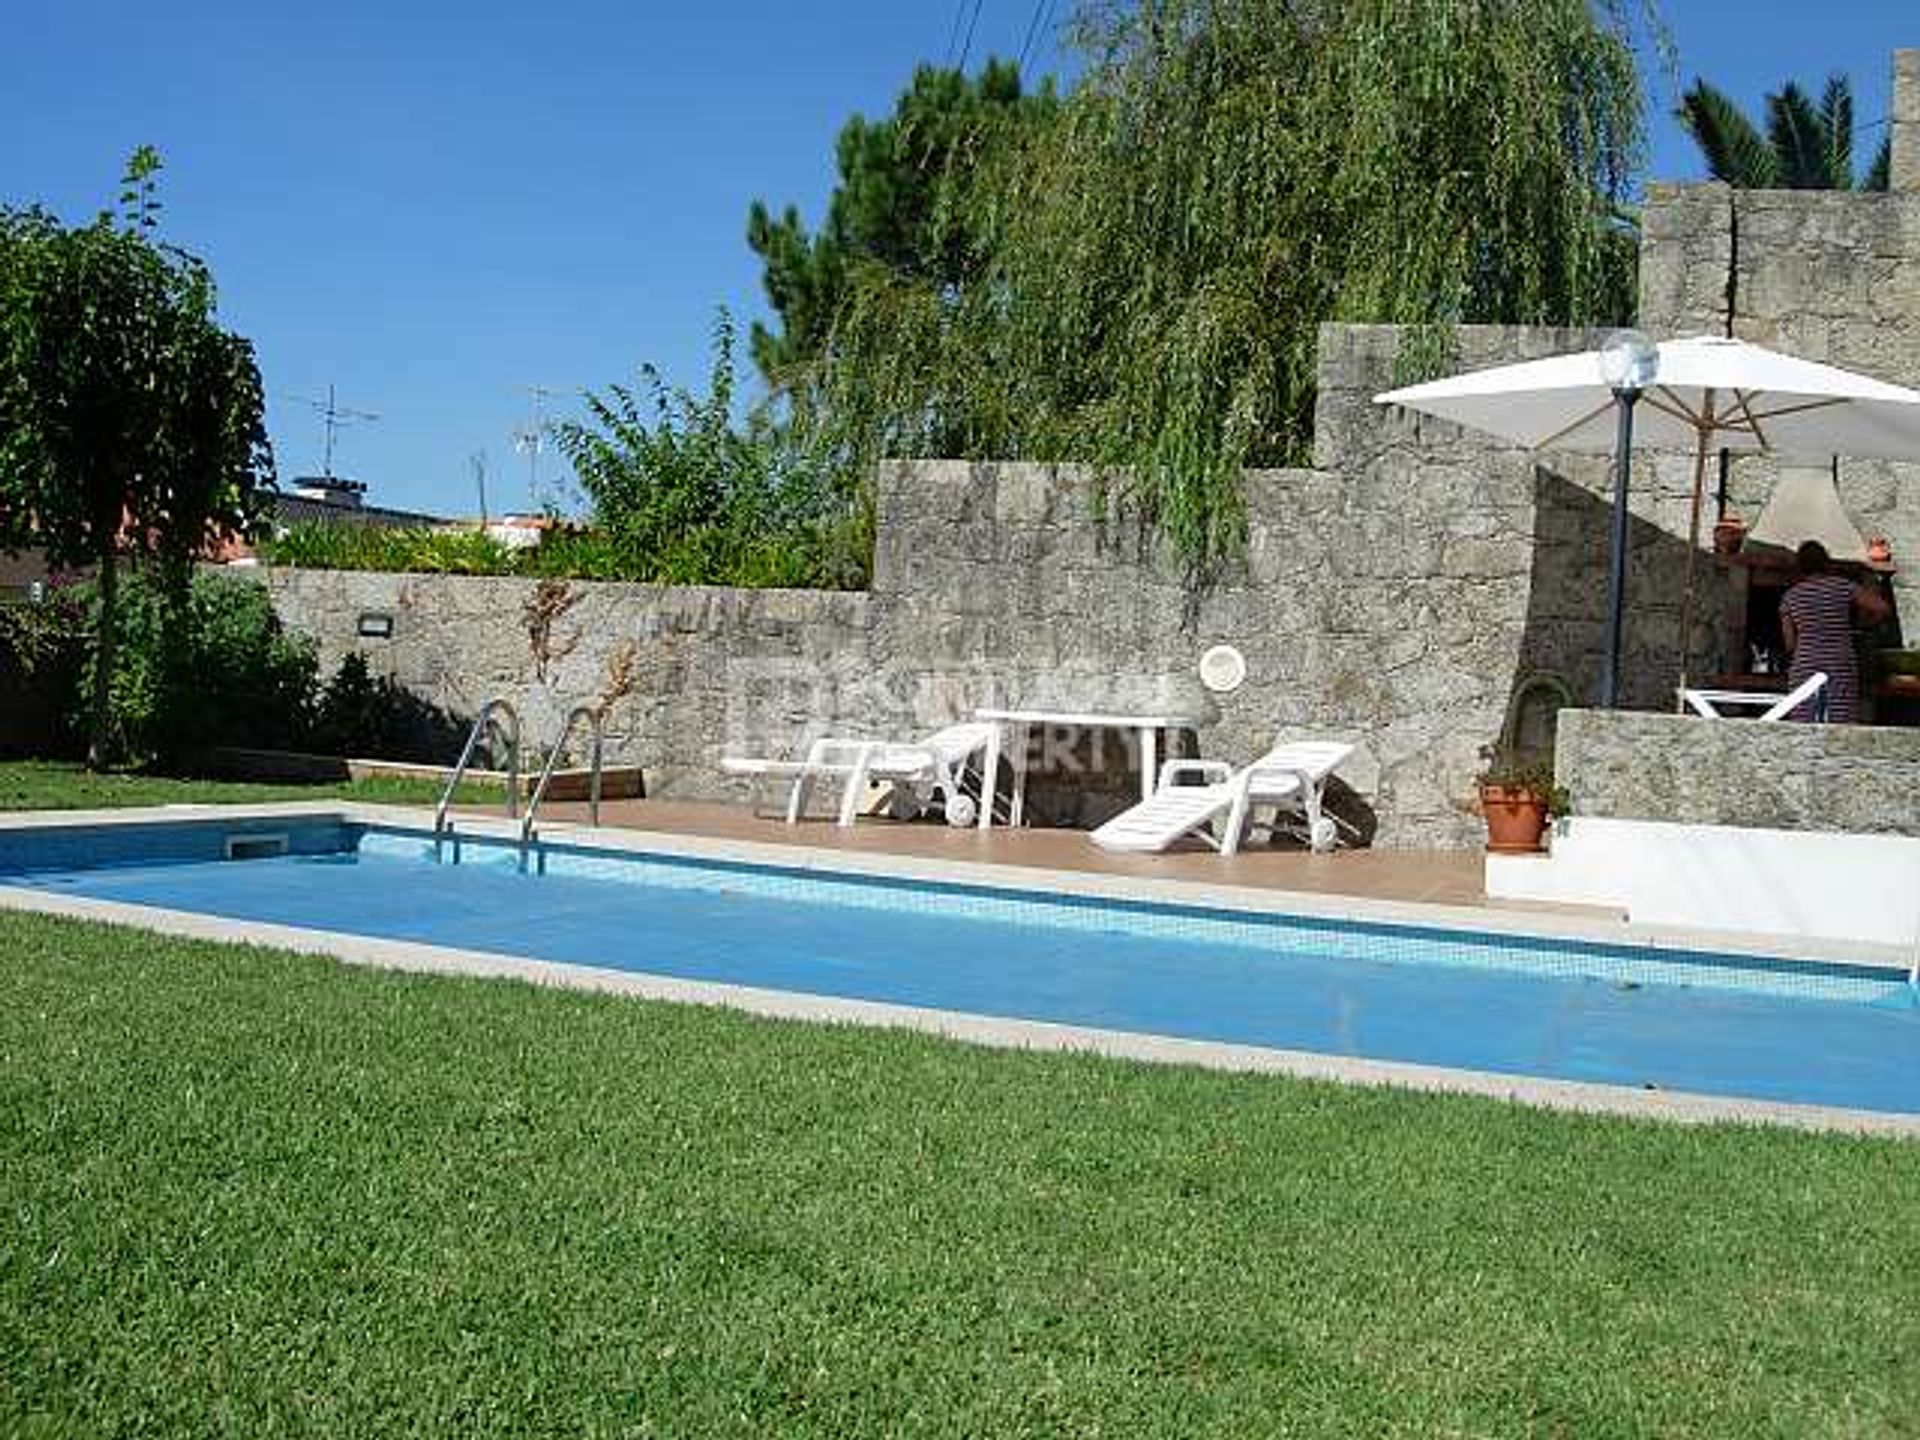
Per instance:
{"type": "Point", "coordinates": [1765, 1028]}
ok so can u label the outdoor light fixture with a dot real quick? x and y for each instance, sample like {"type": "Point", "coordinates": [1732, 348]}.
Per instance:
{"type": "Point", "coordinates": [376, 625]}
{"type": "Point", "coordinates": [1629, 362]}
{"type": "Point", "coordinates": [1223, 669]}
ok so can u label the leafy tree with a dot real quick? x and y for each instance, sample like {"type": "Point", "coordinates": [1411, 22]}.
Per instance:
{"type": "Point", "coordinates": [688, 495]}
{"type": "Point", "coordinates": [130, 422]}
{"type": "Point", "coordinates": [1152, 268]}
{"type": "Point", "coordinates": [1806, 146]}
{"type": "Point", "coordinates": [892, 206]}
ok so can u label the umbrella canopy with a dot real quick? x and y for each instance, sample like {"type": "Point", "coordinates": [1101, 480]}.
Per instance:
{"type": "Point", "coordinates": [1701, 393]}
{"type": "Point", "coordinates": [1737, 396]}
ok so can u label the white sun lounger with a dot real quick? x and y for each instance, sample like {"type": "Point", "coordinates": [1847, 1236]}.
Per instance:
{"type": "Point", "coordinates": [1290, 777]}
{"type": "Point", "coordinates": [918, 768]}
{"type": "Point", "coordinates": [1713, 703]}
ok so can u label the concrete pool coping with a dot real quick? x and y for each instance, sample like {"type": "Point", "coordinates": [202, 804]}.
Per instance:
{"type": "Point", "coordinates": [1678, 1106]}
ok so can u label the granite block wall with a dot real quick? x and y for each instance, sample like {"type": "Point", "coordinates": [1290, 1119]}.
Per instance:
{"type": "Point", "coordinates": [1828, 275]}
{"type": "Point", "coordinates": [687, 673]}
{"type": "Point", "coordinates": [1634, 766]}
{"type": "Point", "coordinates": [1392, 595]}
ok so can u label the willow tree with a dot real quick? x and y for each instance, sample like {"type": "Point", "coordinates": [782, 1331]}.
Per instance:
{"type": "Point", "coordinates": [1226, 175]}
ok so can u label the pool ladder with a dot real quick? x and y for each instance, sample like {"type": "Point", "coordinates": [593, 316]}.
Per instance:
{"type": "Point", "coordinates": [501, 716]}
{"type": "Point", "coordinates": [595, 719]}
{"type": "Point", "coordinates": [499, 713]}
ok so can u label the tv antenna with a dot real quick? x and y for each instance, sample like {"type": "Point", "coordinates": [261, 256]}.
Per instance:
{"type": "Point", "coordinates": [336, 417]}
{"type": "Point", "coordinates": [531, 438]}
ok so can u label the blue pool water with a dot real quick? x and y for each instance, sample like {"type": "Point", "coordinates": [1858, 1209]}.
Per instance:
{"type": "Point", "coordinates": [1775, 1030]}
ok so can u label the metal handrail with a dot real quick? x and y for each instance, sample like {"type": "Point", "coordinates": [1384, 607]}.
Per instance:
{"type": "Point", "coordinates": [596, 718]}
{"type": "Point", "coordinates": [1913, 970]}
{"type": "Point", "coordinates": [499, 705]}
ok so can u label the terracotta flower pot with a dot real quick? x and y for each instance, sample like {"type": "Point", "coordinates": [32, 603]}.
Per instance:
{"type": "Point", "coordinates": [1516, 819]}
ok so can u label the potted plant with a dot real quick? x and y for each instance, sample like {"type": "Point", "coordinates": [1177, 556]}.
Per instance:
{"type": "Point", "coordinates": [1517, 796]}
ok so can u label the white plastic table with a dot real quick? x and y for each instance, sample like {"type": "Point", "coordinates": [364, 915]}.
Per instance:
{"type": "Point", "coordinates": [1018, 722]}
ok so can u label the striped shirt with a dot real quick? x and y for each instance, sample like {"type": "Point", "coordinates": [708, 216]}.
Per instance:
{"type": "Point", "coordinates": [1821, 608]}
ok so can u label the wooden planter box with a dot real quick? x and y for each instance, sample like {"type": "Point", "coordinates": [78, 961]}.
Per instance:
{"type": "Point", "coordinates": [617, 782]}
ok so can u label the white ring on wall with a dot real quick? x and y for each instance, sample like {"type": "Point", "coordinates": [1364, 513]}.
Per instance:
{"type": "Point", "coordinates": [1223, 669]}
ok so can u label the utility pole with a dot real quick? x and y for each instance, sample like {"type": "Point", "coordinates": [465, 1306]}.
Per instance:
{"type": "Point", "coordinates": [477, 462]}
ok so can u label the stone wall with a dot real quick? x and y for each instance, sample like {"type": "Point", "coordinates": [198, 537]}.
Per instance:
{"type": "Point", "coordinates": [1904, 173]}
{"type": "Point", "coordinates": [1828, 275]}
{"type": "Point", "coordinates": [1392, 595]}
{"type": "Point", "coordinates": [1627, 766]}
{"type": "Point", "coordinates": [688, 673]}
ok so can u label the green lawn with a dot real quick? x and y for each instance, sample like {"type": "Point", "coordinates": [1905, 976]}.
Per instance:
{"type": "Point", "coordinates": [248, 1193]}
{"type": "Point", "coordinates": [53, 785]}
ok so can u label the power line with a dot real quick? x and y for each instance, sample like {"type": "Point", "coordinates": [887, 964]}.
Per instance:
{"type": "Point", "coordinates": [1035, 27]}
{"type": "Point", "coordinates": [967, 48]}
{"type": "Point", "coordinates": [953, 33]}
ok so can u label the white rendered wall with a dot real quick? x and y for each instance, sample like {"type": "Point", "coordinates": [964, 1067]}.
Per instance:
{"type": "Point", "coordinates": [1723, 877]}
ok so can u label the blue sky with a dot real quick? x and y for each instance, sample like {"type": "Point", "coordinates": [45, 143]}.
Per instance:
{"type": "Point", "coordinates": [434, 206]}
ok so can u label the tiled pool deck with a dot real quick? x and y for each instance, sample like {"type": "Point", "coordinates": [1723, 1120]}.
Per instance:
{"type": "Point", "coordinates": [1431, 877]}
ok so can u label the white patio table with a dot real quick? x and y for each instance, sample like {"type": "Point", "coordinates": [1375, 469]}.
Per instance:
{"type": "Point", "coordinates": [1014, 725]}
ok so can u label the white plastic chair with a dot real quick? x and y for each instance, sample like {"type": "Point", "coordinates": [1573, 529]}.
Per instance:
{"type": "Point", "coordinates": [1712, 703]}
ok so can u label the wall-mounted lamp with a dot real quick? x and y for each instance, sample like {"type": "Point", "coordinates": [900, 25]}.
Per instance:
{"type": "Point", "coordinates": [375, 625]}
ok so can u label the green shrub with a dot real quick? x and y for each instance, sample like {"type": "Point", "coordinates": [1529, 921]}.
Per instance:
{"type": "Point", "coordinates": [206, 665]}
{"type": "Point", "coordinates": [317, 545]}
{"type": "Point", "coordinates": [37, 635]}
{"type": "Point", "coordinates": [682, 494]}
{"type": "Point", "coordinates": [197, 667]}
{"type": "Point", "coordinates": [42, 648]}
{"type": "Point", "coordinates": [834, 553]}
{"type": "Point", "coordinates": [685, 494]}
{"type": "Point", "coordinates": [358, 713]}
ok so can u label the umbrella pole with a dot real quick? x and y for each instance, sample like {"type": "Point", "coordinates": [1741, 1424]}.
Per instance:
{"type": "Point", "coordinates": [1624, 399]}
{"type": "Point", "coordinates": [1693, 550]}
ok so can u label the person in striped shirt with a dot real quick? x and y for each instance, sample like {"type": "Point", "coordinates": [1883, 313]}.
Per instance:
{"type": "Point", "coordinates": [1817, 616]}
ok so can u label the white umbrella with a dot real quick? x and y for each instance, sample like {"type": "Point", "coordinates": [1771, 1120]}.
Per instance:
{"type": "Point", "coordinates": [1703, 393]}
